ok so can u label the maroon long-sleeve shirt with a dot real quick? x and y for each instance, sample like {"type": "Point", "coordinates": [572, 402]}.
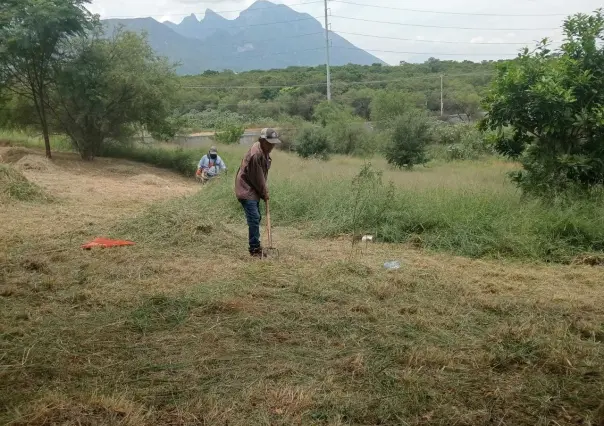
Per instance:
{"type": "Point", "coordinates": [250, 183]}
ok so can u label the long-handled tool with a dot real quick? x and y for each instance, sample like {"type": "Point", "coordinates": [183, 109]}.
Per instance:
{"type": "Point", "coordinates": [269, 251]}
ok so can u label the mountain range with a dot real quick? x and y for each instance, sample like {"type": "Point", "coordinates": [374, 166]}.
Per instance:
{"type": "Point", "coordinates": [264, 36]}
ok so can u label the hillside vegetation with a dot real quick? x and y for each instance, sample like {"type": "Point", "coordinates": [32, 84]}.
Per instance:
{"type": "Point", "coordinates": [296, 91]}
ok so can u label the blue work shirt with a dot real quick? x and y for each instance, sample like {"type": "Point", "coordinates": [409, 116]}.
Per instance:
{"type": "Point", "coordinates": [212, 167]}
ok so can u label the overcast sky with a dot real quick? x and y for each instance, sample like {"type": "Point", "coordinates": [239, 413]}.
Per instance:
{"type": "Point", "coordinates": [514, 29]}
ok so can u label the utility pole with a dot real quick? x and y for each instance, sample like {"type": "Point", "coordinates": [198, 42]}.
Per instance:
{"type": "Point", "coordinates": [442, 102]}
{"type": "Point", "coordinates": [327, 53]}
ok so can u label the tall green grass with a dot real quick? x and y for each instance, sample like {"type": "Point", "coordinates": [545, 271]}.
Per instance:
{"type": "Point", "coordinates": [163, 155]}
{"type": "Point", "coordinates": [167, 156]}
{"type": "Point", "coordinates": [177, 159]}
{"type": "Point", "coordinates": [475, 220]}
{"type": "Point", "coordinates": [467, 208]}
{"type": "Point", "coordinates": [35, 140]}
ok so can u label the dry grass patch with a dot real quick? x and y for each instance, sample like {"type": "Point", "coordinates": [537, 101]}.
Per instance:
{"type": "Point", "coordinates": [34, 163]}
{"type": "Point", "coordinates": [56, 409]}
{"type": "Point", "coordinates": [12, 155]}
{"type": "Point", "coordinates": [149, 179]}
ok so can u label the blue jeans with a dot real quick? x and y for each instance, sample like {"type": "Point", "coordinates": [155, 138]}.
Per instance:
{"type": "Point", "coordinates": [253, 216]}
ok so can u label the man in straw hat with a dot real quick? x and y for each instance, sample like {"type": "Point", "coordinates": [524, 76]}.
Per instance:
{"type": "Point", "coordinates": [251, 184]}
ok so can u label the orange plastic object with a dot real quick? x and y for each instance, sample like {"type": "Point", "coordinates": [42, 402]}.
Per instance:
{"type": "Point", "coordinates": [106, 243]}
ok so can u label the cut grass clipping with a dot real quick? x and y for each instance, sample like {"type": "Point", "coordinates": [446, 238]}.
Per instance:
{"type": "Point", "coordinates": [14, 186]}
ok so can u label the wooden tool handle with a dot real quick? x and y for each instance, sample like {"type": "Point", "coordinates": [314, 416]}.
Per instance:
{"type": "Point", "coordinates": [268, 224]}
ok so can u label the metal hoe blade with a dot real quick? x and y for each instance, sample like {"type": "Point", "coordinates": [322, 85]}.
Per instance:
{"type": "Point", "coordinates": [270, 253]}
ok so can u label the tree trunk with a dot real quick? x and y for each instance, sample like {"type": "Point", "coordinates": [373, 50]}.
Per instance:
{"type": "Point", "coordinates": [41, 109]}
{"type": "Point", "coordinates": [46, 137]}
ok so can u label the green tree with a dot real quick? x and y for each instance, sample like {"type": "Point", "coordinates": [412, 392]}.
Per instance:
{"type": "Point", "coordinates": [107, 87]}
{"type": "Point", "coordinates": [554, 104]}
{"type": "Point", "coordinates": [409, 137]}
{"type": "Point", "coordinates": [300, 105]}
{"type": "Point", "coordinates": [231, 135]}
{"type": "Point", "coordinates": [388, 106]}
{"type": "Point", "coordinates": [347, 134]}
{"type": "Point", "coordinates": [329, 112]}
{"type": "Point", "coordinates": [31, 35]}
{"type": "Point", "coordinates": [312, 141]}
{"type": "Point", "coordinates": [360, 101]}
{"type": "Point", "coordinates": [17, 111]}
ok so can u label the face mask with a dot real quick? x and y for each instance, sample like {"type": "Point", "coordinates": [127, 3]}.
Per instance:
{"type": "Point", "coordinates": [213, 156]}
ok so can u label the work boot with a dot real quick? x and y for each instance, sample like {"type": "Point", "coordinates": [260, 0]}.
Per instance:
{"type": "Point", "coordinates": [259, 253]}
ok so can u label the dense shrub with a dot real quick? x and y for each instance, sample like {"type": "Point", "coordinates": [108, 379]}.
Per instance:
{"type": "Point", "coordinates": [511, 146]}
{"type": "Point", "coordinates": [313, 141]}
{"type": "Point", "coordinates": [212, 119]}
{"type": "Point", "coordinates": [409, 137]}
{"type": "Point", "coordinates": [230, 136]}
{"type": "Point", "coordinates": [450, 134]}
{"type": "Point", "coordinates": [351, 138]}
{"type": "Point", "coordinates": [462, 141]}
{"type": "Point", "coordinates": [347, 134]}
{"type": "Point", "coordinates": [388, 106]}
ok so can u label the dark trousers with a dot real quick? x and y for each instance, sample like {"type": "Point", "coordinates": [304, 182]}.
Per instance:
{"type": "Point", "coordinates": [253, 216]}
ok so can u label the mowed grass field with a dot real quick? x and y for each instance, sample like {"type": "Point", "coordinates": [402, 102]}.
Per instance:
{"type": "Point", "coordinates": [496, 316]}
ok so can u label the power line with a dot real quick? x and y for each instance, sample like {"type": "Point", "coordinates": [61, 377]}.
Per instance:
{"type": "Point", "coordinates": [426, 53]}
{"type": "Point", "coordinates": [243, 55]}
{"type": "Point", "coordinates": [442, 27]}
{"type": "Point", "coordinates": [242, 42]}
{"type": "Point", "coordinates": [417, 77]}
{"type": "Point", "coordinates": [327, 46]}
{"type": "Point", "coordinates": [219, 11]}
{"type": "Point", "coordinates": [255, 87]}
{"type": "Point", "coordinates": [447, 13]}
{"type": "Point", "coordinates": [344, 83]}
{"type": "Point", "coordinates": [264, 24]}
{"type": "Point", "coordinates": [438, 41]}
